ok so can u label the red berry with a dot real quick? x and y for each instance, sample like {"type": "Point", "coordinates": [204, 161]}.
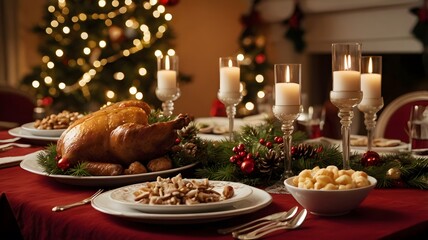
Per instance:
{"type": "Point", "coordinates": [177, 140]}
{"type": "Point", "coordinates": [249, 156]}
{"type": "Point", "coordinates": [247, 166]}
{"type": "Point", "coordinates": [235, 149]}
{"type": "Point", "coordinates": [233, 159]}
{"type": "Point", "coordinates": [241, 147]}
{"type": "Point", "coordinates": [262, 141]}
{"type": "Point", "coordinates": [63, 164]}
{"type": "Point", "coordinates": [278, 139]}
{"type": "Point", "coordinates": [242, 155]}
{"type": "Point", "coordinates": [269, 145]}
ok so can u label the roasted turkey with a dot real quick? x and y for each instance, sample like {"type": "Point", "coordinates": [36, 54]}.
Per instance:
{"type": "Point", "coordinates": [118, 134]}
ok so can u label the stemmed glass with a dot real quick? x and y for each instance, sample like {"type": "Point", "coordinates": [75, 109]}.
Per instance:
{"type": "Point", "coordinates": [371, 77]}
{"type": "Point", "coordinates": [167, 89]}
{"type": "Point", "coordinates": [346, 94]}
{"type": "Point", "coordinates": [286, 109]}
{"type": "Point", "coordinates": [230, 93]}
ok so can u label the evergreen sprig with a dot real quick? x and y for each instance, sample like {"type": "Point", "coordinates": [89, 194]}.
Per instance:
{"type": "Point", "coordinates": [213, 159]}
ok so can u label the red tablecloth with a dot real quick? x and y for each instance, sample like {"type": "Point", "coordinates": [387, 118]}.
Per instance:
{"type": "Point", "coordinates": [27, 199]}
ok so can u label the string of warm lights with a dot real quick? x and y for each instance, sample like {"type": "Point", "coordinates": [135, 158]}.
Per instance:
{"type": "Point", "coordinates": [58, 30]}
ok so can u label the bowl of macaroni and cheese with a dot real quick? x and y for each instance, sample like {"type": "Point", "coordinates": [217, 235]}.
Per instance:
{"type": "Point", "coordinates": [330, 191]}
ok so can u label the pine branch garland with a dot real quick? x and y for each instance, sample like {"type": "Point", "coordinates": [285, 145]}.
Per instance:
{"type": "Point", "coordinates": [214, 159]}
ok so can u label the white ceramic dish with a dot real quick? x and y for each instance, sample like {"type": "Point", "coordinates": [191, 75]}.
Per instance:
{"type": "Point", "coordinates": [30, 164]}
{"type": "Point", "coordinates": [20, 132]}
{"type": "Point", "coordinates": [329, 202]}
{"type": "Point", "coordinates": [257, 200]}
{"type": "Point", "coordinates": [124, 196]}
{"type": "Point", "coordinates": [29, 127]}
{"type": "Point", "coordinates": [328, 141]}
{"type": "Point", "coordinates": [218, 127]}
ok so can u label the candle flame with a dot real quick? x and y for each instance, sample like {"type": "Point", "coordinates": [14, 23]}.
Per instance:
{"type": "Point", "coordinates": [347, 61]}
{"type": "Point", "coordinates": [167, 65]}
{"type": "Point", "coordinates": [230, 63]}
{"type": "Point", "coordinates": [370, 70]}
{"type": "Point", "coordinates": [287, 74]}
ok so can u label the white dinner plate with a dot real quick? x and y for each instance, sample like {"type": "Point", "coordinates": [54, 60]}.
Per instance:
{"type": "Point", "coordinates": [22, 133]}
{"type": "Point", "coordinates": [329, 141]}
{"type": "Point", "coordinates": [124, 196]}
{"type": "Point", "coordinates": [30, 164]}
{"type": "Point", "coordinates": [29, 127]}
{"type": "Point", "coordinates": [257, 200]}
{"type": "Point", "coordinates": [222, 126]}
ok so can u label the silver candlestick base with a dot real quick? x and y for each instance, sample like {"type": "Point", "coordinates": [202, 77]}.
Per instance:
{"type": "Point", "coordinates": [345, 102]}
{"type": "Point", "coordinates": [370, 106]}
{"type": "Point", "coordinates": [168, 96]}
{"type": "Point", "coordinates": [230, 100]}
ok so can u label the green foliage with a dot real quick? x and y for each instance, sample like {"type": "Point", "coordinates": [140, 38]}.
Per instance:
{"type": "Point", "coordinates": [213, 158]}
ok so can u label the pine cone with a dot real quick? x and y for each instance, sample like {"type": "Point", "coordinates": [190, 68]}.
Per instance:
{"type": "Point", "coordinates": [270, 161]}
{"type": "Point", "coordinates": [190, 149]}
{"type": "Point", "coordinates": [304, 151]}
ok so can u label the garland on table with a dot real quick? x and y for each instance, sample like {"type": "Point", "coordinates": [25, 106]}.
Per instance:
{"type": "Point", "coordinates": [255, 157]}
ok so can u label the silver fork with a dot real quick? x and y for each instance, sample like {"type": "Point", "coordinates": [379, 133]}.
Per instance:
{"type": "Point", "coordinates": [79, 203]}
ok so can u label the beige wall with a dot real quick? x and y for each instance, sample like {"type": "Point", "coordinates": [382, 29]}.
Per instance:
{"type": "Point", "coordinates": [205, 30]}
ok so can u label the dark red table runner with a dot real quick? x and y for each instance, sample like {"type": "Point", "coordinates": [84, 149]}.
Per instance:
{"type": "Point", "coordinates": [386, 213]}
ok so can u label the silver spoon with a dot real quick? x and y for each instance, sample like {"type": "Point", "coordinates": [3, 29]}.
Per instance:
{"type": "Point", "coordinates": [280, 216]}
{"type": "Point", "coordinates": [294, 223]}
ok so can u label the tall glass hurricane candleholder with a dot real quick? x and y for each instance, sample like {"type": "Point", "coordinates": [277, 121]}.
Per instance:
{"type": "Point", "coordinates": [230, 88]}
{"type": "Point", "coordinates": [167, 89]}
{"type": "Point", "coordinates": [371, 77]}
{"type": "Point", "coordinates": [346, 94]}
{"type": "Point", "coordinates": [286, 109]}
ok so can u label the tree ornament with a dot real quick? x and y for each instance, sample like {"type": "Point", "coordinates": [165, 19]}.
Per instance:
{"type": "Point", "coordinates": [247, 166]}
{"type": "Point", "coordinates": [116, 34]}
{"type": "Point", "coordinates": [393, 173]}
{"type": "Point", "coordinates": [370, 158]}
{"type": "Point", "coordinates": [169, 2]}
{"type": "Point", "coordinates": [260, 58]}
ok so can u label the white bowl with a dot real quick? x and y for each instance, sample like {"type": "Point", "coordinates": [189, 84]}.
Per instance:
{"type": "Point", "coordinates": [329, 202]}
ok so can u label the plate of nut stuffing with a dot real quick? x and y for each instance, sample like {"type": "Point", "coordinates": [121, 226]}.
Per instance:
{"type": "Point", "coordinates": [180, 195]}
{"type": "Point", "coordinates": [48, 128]}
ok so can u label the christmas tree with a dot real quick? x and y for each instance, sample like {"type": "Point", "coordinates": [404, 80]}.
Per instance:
{"type": "Point", "coordinates": [254, 64]}
{"type": "Point", "coordinates": [97, 51]}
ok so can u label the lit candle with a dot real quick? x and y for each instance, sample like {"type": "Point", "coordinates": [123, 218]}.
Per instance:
{"type": "Point", "coordinates": [371, 82]}
{"type": "Point", "coordinates": [347, 80]}
{"type": "Point", "coordinates": [229, 78]}
{"type": "Point", "coordinates": [287, 93]}
{"type": "Point", "coordinates": [167, 78]}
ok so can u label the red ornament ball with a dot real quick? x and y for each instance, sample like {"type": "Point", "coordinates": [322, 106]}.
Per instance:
{"type": "Point", "coordinates": [169, 2]}
{"type": "Point", "coordinates": [247, 166]}
{"type": "Point", "coordinates": [370, 158]}
{"type": "Point", "coordinates": [260, 58]}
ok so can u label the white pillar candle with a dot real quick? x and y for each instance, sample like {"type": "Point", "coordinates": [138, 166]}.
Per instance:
{"type": "Point", "coordinates": [287, 93]}
{"type": "Point", "coordinates": [346, 80]}
{"type": "Point", "coordinates": [167, 79]}
{"type": "Point", "coordinates": [371, 85]}
{"type": "Point", "coordinates": [229, 79]}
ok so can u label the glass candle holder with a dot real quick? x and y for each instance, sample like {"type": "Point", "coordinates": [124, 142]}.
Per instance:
{"type": "Point", "coordinates": [230, 93]}
{"type": "Point", "coordinates": [372, 102]}
{"type": "Point", "coordinates": [346, 93]}
{"type": "Point", "coordinates": [286, 109]}
{"type": "Point", "coordinates": [167, 89]}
